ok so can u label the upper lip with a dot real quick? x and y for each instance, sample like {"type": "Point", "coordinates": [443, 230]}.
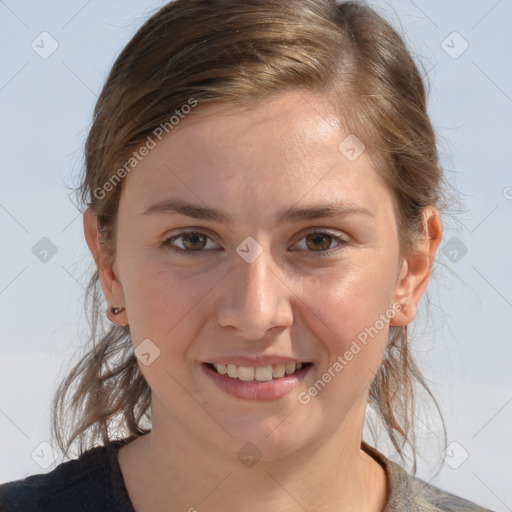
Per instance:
{"type": "Point", "coordinates": [256, 361]}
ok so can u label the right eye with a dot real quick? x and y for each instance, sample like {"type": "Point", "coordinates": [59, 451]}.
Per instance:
{"type": "Point", "coordinates": [191, 241]}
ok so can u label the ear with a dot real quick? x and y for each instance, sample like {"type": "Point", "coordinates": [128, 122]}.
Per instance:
{"type": "Point", "coordinates": [417, 268]}
{"type": "Point", "coordinates": [112, 287]}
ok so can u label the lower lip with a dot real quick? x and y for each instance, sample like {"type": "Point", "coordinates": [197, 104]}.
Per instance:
{"type": "Point", "coordinates": [256, 390]}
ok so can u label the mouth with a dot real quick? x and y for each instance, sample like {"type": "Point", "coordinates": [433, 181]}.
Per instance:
{"type": "Point", "coordinates": [261, 383]}
{"type": "Point", "coordinates": [259, 373]}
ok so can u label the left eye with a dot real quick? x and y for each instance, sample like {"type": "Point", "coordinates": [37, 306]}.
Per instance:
{"type": "Point", "coordinates": [195, 241]}
{"type": "Point", "coordinates": [323, 241]}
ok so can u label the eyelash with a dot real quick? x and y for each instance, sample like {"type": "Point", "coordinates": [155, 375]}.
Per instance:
{"type": "Point", "coordinates": [341, 241]}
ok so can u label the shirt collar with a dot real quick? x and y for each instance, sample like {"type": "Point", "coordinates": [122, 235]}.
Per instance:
{"type": "Point", "coordinates": [400, 495]}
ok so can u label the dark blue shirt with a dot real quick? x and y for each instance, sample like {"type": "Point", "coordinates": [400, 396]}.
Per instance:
{"type": "Point", "coordinates": [94, 483]}
{"type": "Point", "coordinates": [91, 483]}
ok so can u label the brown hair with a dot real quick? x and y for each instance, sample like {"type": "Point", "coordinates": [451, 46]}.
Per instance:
{"type": "Point", "coordinates": [239, 53]}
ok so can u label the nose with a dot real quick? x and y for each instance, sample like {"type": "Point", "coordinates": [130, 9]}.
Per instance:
{"type": "Point", "coordinates": [255, 299]}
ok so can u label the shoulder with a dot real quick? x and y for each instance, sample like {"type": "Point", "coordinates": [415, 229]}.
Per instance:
{"type": "Point", "coordinates": [83, 484]}
{"type": "Point", "coordinates": [429, 498]}
{"type": "Point", "coordinates": [408, 493]}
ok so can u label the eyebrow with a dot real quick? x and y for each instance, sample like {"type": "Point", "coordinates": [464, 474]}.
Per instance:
{"type": "Point", "coordinates": [196, 211]}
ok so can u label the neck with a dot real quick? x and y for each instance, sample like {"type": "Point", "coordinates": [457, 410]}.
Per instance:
{"type": "Point", "coordinates": [176, 469]}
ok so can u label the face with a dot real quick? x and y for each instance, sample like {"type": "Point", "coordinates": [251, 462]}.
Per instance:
{"type": "Point", "coordinates": [289, 253]}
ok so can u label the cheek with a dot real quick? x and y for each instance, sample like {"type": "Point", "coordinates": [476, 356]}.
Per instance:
{"type": "Point", "coordinates": [161, 301]}
{"type": "Point", "coordinates": [352, 312]}
{"type": "Point", "coordinates": [164, 305]}
{"type": "Point", "coordinates": [165, 302]}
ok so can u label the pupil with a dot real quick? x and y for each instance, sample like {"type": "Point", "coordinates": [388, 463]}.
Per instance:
{"type": "Point", "coordinates": [194, 240]}
{"type": "Point", "coordinates": [317, 238]}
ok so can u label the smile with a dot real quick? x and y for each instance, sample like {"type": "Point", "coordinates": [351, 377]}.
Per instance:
{"type": "Point", "coordinates": [257, 383]}
{"type": "Point", "coordinates": [260, 373]}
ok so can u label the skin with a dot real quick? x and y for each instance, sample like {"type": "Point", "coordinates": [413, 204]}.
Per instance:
{"type": "Point", "coordinates": [253, 163]}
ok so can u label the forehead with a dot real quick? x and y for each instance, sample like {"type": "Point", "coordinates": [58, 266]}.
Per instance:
{"type": "Point", "coordinates": [273, 151]}
{"type": "Point", "coordinates": [291, 123]}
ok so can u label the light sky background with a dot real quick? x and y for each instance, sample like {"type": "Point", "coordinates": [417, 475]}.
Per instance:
{"type": "Point", "coordinates": [465, 349]}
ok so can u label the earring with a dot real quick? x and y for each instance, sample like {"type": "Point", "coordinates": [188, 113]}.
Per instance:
{"type": "Point", "coordinates": [116, 311]}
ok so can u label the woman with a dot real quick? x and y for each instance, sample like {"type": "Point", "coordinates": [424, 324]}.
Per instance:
{"type": "Point", "coordinates": [263, 202]}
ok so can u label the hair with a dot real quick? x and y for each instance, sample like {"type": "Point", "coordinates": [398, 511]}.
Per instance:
{"type": "Point", "coordinates": [241, 53]}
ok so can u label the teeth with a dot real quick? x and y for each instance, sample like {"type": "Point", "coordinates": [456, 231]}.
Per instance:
{"type": "Point", "coordinates": [261, 373]}
{"type": "Point", "coordinates": [232, 371]}
{"type": "Point", "coordinates": [278, 371]}
{"type": "Point", "coordinates": [290, 368]}
{"type": "Point", "coordinates": [222, 369]}
{"type": "Point", "coordinates": [245, 373]}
